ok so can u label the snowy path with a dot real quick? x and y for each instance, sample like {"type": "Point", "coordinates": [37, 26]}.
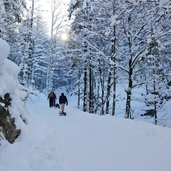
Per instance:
{"type": "Point", "coordinates": [85, 142]}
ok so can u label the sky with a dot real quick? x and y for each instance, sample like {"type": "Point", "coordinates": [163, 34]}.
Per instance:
{"type": "Point", "coordinates": [44, 7]}
{"type": "Point", "coordinates": [46, 11]}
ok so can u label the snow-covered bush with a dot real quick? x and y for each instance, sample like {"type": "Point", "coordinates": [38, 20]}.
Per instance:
{"type": "Point", "coordinates": [12, 111]}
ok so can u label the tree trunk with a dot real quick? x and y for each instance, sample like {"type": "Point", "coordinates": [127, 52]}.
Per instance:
{"type": "Point", "coordinates": [155, 100]}
{"type": "Point", "coordinates": [114, 61]}
{"type": "Point", "coordinates": [98, 96]}
{"type": "Point", "coordinates": [85, 89]}
{"type": "Point", "coordinates": [79, 88]}
{"type": "Point", "coordinates": [129, 91]}
{"type": "Point", "coordinates": [102, 88]}
{"type": "Point", "coordinates": [114, 91]}
{"type": "Point", "coordinates": [91, 94]}
{"type": "Point", "coordinates": [108, 92]}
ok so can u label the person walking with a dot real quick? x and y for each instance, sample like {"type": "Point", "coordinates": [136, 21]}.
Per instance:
{"type": "Point", "coordinates": [62, 101]}
{"type": "Point", "coordinates": [52, 99]}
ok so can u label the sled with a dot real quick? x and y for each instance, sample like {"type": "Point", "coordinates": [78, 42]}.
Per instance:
{"type": "Point", "coordinates": [57, 105]}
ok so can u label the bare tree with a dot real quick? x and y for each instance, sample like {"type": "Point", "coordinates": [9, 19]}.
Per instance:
{"type": "Point", "coordinates": [58, 15]}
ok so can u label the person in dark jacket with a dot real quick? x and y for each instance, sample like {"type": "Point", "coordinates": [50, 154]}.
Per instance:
{"type": "Point", "coordinates": [52, 99]}
{"type": "Point", "coordinates": [62, 101]}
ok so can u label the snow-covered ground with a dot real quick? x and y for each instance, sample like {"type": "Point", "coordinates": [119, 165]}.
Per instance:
{"type": "Point", "coordinates": [85, 142]}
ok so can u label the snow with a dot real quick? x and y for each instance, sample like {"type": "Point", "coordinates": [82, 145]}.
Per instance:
{"type": "Point", "coordinates": [114, 20]}
{"type": "Point", "coordinates": [82, 141]}
{"type": "Point", "coordinates": [4, 49]}
{"type": "Point", "coordinates": [9, 84]}
{"type": "Point", "coordinates": [73, 2]}
{"type": "Point", "coordinates": [162, 2]}
{"type": "Point", "coordinates": [8, 71]}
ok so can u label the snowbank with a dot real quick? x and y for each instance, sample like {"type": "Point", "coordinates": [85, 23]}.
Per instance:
{"type": "Point", "coordinates": [86, 142]}
{"type": "Point", "coordinates": [9, 83]}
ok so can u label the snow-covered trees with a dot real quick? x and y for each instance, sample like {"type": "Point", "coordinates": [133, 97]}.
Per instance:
{"type": "Point", "coordinates": [111, 41]}
{"type": "Point", "coordinates": [92, 44]}
{"type": "Point", "coordinates": [114, 40]}
{"type": "Point", "coordinates": [22, 25]}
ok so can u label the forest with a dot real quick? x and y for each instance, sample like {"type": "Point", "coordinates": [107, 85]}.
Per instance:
{"type": "Point", "coordinates": [110, 43]}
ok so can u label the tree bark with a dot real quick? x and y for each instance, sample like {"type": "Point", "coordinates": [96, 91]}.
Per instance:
{"type": "Point", "coordinates": [129, 91]}
{"type": "Point", "coordinates": [85, 89]}
{"type": "Point", "coordinates": [91, 94]}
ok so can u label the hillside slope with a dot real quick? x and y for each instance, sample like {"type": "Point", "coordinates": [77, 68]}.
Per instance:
{"type": "Point", "coordinates": [85, 142]}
